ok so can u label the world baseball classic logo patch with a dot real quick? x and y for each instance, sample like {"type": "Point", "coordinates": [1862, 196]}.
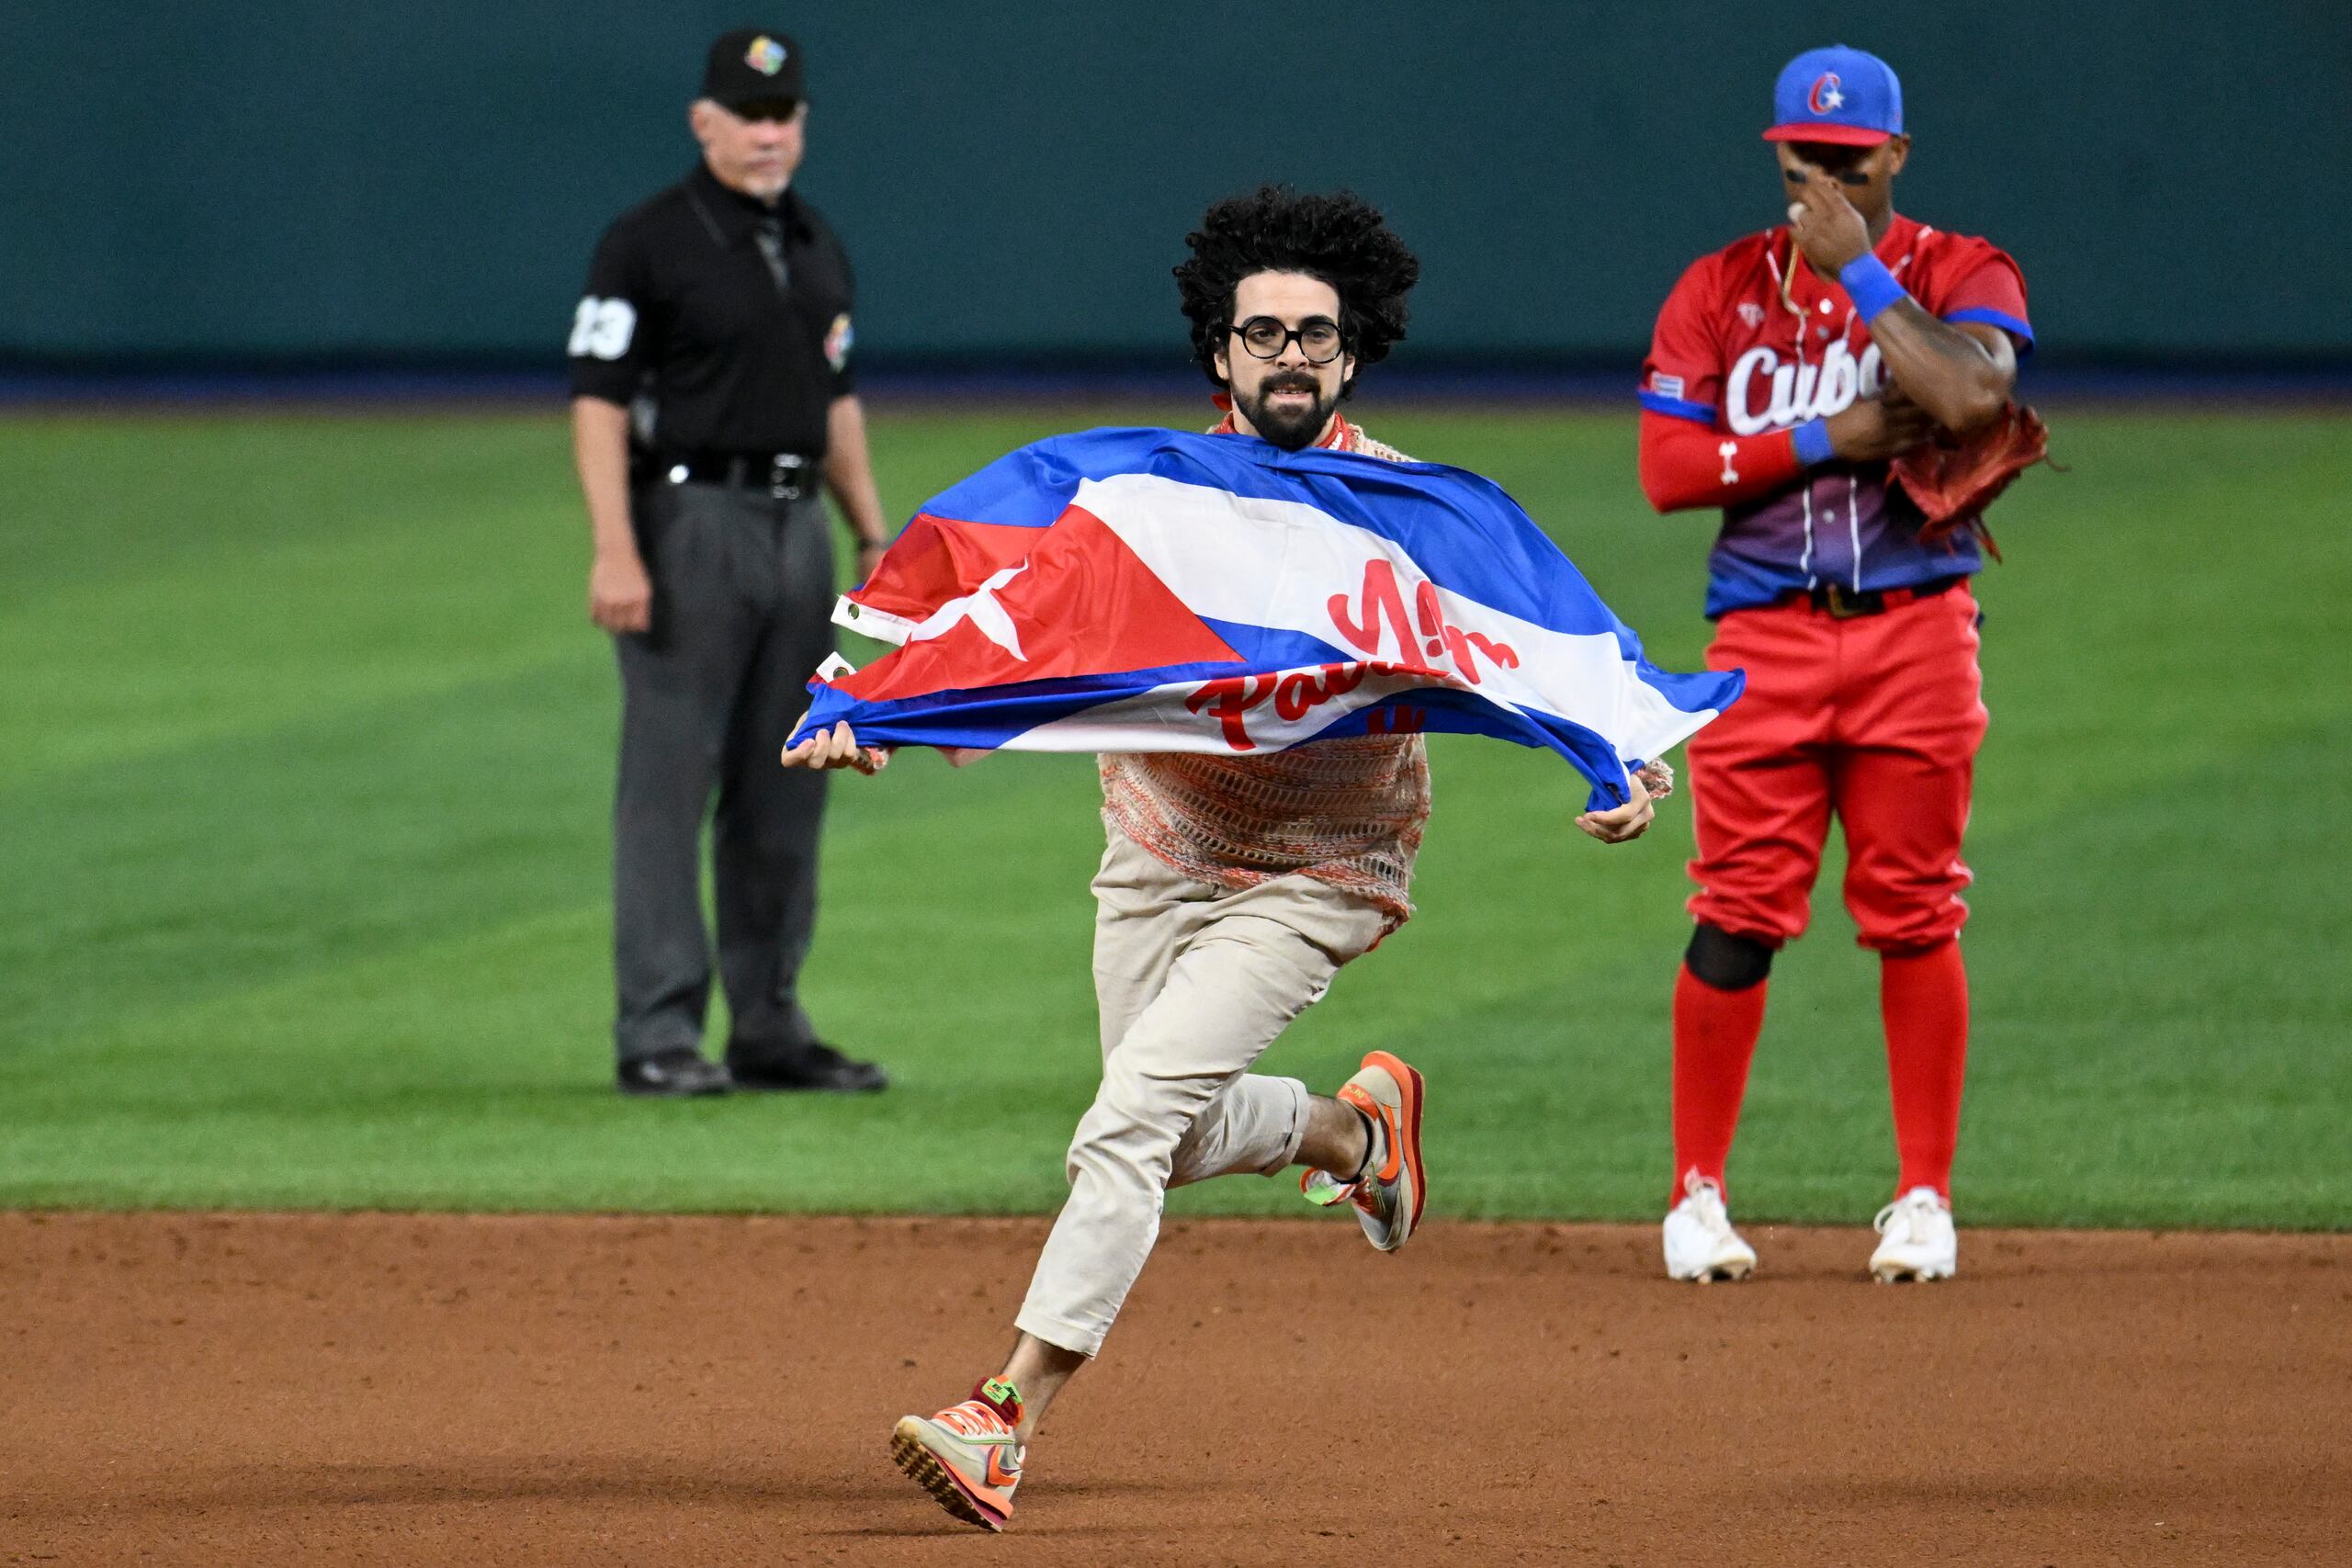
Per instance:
{"type": "Point", "coordinates": [765, 55]}
{"type": "Point", "coordinates": [839, 341]}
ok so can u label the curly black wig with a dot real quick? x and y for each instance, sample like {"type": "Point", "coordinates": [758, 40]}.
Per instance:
{"type": "Point", "coordinates": [1340, 238]}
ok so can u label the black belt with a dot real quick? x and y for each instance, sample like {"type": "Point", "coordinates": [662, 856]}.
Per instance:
{"type": "Point", "coordinates": [784, 475]}
{"type": "Point", "coordinates": [1840, 603]}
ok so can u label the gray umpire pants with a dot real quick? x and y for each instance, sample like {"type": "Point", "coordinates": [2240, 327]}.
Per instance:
{"type": "Point", "coordinates": [742, 592]}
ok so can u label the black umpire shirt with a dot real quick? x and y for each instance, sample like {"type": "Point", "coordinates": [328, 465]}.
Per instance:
{"type": "Point", "coordinates": [685, 310]}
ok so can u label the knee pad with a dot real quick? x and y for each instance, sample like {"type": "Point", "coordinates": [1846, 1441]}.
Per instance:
{"type": "Point", "coordinates": [1727, 963]}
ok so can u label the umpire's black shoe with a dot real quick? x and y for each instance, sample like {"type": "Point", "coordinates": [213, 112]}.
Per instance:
{"type": "Point", "coordinates": [672, 1075]}
{"type": "Point", "coordinates": [820, 1068]}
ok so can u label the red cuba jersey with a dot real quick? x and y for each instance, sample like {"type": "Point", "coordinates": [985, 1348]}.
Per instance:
{"type": "Point", "coordinates": [1746, 350]}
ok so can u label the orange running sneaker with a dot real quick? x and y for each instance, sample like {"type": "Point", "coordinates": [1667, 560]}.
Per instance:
{"type": "Point", "coordinates": [967, 1456]}
{"type": "Point", "coordinates": [1389, 1190]}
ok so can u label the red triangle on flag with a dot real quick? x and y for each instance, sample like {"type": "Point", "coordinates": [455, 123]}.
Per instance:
{"type": "Point", "coordinates": [1080, 603]}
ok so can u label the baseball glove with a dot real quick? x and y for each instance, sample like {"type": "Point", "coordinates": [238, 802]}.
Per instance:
{"type": "Point", "coordinates": [1951, 482]}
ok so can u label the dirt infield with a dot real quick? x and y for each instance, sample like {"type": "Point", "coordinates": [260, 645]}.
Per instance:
{"type": "Point", "coordinates": [454, 1391]}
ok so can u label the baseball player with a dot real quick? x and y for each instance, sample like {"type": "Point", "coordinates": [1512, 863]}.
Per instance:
{"type": "Point", "coordinates": [1233, 888]}
{"type": "Point", "coordinates": [1786, 371]}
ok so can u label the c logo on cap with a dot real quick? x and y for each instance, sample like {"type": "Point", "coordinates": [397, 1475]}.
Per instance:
{"type": "Point", "coordinates": [1825, 95]}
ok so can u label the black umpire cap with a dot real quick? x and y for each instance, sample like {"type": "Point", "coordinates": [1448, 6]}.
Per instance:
{"type": "Point", "coordinates": [752, 66]}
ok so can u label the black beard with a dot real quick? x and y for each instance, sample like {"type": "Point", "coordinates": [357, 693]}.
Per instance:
{"type": "Point", "coordinates": [1291, 432]}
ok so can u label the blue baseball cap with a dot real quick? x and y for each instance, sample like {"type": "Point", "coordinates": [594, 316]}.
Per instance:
{"type": "Point", "coordinates": [1839, 95]}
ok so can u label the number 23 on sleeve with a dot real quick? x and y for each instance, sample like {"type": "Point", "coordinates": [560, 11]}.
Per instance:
{"type": "Point", "coordinates": [602, 328]}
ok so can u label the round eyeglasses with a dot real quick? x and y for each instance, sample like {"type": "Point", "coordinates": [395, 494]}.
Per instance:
{"type": "Point", "coordinates": [1318, 338]}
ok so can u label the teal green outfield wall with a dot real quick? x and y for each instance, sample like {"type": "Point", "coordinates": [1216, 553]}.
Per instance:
{"type": "Point", "coordinates": [368, 180]}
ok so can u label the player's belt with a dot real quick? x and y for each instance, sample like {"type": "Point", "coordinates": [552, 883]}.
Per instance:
{"type": "Point", "coordinates": [784, 475]}
{"type": "Point", "coordinates": [1843, 604]}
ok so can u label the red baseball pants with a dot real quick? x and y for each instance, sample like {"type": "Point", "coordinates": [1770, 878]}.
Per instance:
{"type": "Point", "coordinates": [1874, 719]}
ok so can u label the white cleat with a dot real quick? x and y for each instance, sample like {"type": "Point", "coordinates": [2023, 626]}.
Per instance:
{"type": "Point", "coordinates": [1917, 1239]}
{"type": "Point", "coordinates": [1700, 1242]}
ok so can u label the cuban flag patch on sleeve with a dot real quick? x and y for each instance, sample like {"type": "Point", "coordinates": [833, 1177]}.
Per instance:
{"type": "Point", "coordinates": [1158, 591]}
{"type": "Point", "coordinates": [1666, 386]}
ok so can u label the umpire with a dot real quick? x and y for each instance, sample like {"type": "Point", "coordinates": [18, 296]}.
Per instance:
{"type": "Point", "coordinates": [711, 394]}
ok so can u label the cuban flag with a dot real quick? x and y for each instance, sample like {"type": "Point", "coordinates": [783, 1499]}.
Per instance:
{"type": "Point", "coordinates": [1148, 589]}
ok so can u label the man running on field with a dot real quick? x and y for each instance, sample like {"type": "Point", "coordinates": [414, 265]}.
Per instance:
{"type": "Point", "coordinates": [1233, 889]}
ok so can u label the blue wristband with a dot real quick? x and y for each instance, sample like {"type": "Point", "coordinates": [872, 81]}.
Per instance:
{"type": "Point", "coordinates": [1812, 441]}
{"type": "Point", "coordinates": [1870, 285]}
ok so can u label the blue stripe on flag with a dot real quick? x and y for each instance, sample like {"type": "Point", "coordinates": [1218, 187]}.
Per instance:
{"type": "Point", "coordinates": [1027, 489]}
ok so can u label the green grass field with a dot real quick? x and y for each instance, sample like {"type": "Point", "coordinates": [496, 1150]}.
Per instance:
{"type": "Point", "coordinates": [305, 763]}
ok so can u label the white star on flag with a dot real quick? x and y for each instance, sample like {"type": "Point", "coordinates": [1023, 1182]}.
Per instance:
{"type": "Point", "coordinates": [980, 608]}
